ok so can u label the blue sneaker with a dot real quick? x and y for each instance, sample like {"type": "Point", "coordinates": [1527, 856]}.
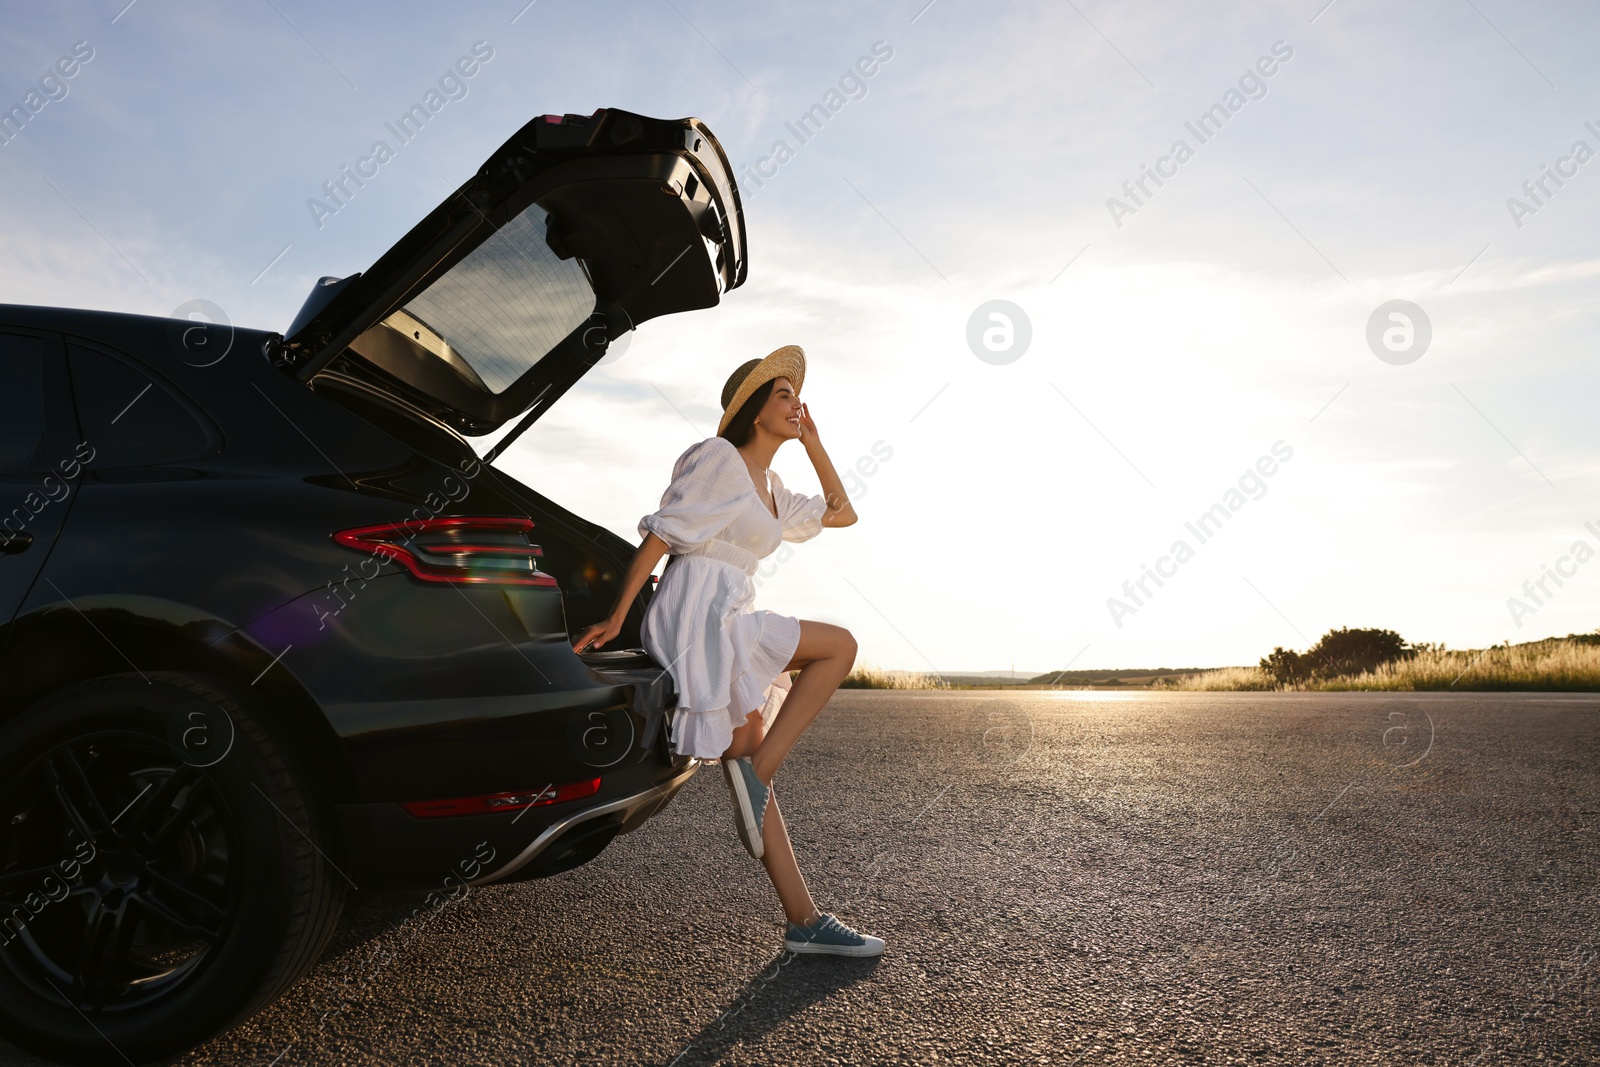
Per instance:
{"type": "Point", "coordinates": [829, 937]}
{"type": "Point", "coordinates": [749, 801]}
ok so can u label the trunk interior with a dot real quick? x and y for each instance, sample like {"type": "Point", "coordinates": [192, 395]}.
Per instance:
{"type": "Point", "coordinates": [589, 562]}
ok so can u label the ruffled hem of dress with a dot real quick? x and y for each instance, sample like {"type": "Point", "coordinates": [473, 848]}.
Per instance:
{"type": "Point", "coordinates": [706, 733]}
{"type": "Point", "coordinates": [694, 732]}
{"type": "Point", "coordinates": [703, 734]}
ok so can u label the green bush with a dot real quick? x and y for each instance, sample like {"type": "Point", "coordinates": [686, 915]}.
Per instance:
{"type": "Point", "coordinates": [1337, 654]}
{"type": "Point", "coordinates": [1286, 666]}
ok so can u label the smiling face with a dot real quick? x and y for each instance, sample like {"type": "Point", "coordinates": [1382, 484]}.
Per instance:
{"type": "Point", "coordinates": [780, 415]}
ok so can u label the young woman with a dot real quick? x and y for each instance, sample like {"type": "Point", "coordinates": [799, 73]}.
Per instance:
{"type": "Point", "coordinates": [723, 513]}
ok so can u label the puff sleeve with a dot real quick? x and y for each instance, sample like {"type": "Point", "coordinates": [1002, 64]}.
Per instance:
{"type": "Point", "coordinates": [800, 515]}
{"type": "Point", "coordinates": [708, 492]}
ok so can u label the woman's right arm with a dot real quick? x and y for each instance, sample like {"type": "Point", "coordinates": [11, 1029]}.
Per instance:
{"type": "Point", "coordinates": [649, 553]}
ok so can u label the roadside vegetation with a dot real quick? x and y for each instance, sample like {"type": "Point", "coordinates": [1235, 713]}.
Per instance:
{"type": "Point", "coordinates": [1380, 659]}
{"type": "Point", "coordinates": [1343, 659]}
{"type": "Point", "coordinates": [866, 676]}
{"type": "Point", "coordinates": [1241, 679]}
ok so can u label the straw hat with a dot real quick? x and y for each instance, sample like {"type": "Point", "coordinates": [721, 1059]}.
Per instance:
{"type": "Point", "coordinates": [787, 362]}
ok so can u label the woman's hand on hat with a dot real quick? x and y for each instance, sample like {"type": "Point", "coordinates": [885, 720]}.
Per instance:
{"type": "Point", "coordinates": [808, 427]}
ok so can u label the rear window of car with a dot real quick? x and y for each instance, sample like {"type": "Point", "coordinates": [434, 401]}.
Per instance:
{"type": "Point", "coordinates": [508, 303]}
{"type": "Point", "coordinates": [22, 403]}
{"type": "Point", "coordinates": [127, 417]}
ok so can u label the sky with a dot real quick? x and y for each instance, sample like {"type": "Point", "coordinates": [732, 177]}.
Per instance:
{"type": "Point", "coordinates": [1220, 342]}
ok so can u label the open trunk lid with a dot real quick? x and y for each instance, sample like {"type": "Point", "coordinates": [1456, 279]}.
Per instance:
{"type": "Point", "coordinates": [576, 230]}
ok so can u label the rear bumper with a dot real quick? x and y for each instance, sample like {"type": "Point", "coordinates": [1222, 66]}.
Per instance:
{"type": "Point", "coordinates": [626, 813]}
{"type": "Point", "coordinates": [389, 850]}
{"type": "Point", "coordinates": [439, 695]}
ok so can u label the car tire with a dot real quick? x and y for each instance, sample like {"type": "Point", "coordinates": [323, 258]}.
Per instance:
{"type": "Point", "coordinates": [164, 867]}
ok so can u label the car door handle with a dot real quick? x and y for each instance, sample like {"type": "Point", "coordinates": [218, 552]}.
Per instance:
{"type": "Point", "coordinates": [12, 543]}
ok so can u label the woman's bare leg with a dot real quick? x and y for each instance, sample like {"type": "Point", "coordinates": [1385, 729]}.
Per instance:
{"type": "Point", "coordinates": [777, 854]}
{"type": "Point", "coordinates": [824, 656]}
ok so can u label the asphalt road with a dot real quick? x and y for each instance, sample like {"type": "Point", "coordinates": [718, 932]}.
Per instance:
{"type": "Point", "coordinates": [1062, 878]}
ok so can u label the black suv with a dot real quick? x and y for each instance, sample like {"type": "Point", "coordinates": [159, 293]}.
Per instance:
{"type": "Point", "coordinates": [272, 629]}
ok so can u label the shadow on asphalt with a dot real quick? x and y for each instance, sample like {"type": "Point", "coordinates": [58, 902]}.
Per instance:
{"type": "Point", "coordinates": [784, 987]}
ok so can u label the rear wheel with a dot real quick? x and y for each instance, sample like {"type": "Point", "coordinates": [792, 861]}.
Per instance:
{"type": "Point", "coordinates": [163, 868]}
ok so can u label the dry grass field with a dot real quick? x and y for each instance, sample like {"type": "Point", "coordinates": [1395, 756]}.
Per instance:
{"type": "Point", "coordinates": [1556, 665]}
{"type": "Point", "coordinates": [866, 676]}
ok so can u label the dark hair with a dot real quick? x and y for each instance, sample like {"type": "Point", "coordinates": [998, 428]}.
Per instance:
{"type": "Point", "coordinates": [743, 424]}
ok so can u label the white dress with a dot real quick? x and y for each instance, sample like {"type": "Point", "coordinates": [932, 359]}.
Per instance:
{"type": "Point", "coordinates": [726, 658]}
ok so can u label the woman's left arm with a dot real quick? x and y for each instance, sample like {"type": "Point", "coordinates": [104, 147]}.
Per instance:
{"type": "Point", "coordinates": [840, 511]}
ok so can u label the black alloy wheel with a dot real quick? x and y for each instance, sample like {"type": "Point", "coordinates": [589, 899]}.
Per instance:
{"type": "Point", "coordinates": [162, 868]}
{"type": "Point", "coordinates": [119, 851]}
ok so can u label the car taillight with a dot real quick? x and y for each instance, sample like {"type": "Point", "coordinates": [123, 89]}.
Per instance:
{"type": "Point", "coordinates": [496, 802]}
{"type": "Point", "coordinates": [494, 550]}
